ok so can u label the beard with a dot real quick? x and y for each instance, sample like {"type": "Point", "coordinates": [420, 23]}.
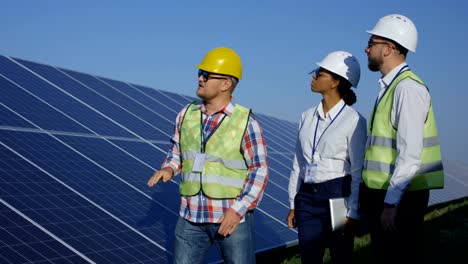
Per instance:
{"type": "Point", "coordinates": [373, 65]}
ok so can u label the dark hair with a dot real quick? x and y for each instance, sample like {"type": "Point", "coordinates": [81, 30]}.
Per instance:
{"type": "Point", "coordinates": [346, 93]}
{"type": "Point", "coordinates": [344, 89]}
{"type": "Point", "coordinates": [400, 48]}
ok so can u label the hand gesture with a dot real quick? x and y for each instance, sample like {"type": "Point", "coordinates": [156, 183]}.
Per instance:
{"type": "Point", "coordinates": [165, 174]}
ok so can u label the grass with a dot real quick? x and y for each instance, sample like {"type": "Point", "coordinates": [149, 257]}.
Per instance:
{"type": "Point", "coordinates": [446, 235]}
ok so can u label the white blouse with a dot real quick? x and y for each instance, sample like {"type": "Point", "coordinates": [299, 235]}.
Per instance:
{"type": "Point", "coordinates": [339, 149]}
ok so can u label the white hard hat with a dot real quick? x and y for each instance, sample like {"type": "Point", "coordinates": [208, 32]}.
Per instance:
{"type": "Point", "coordinates": [397, 28]}
{"type": "Point", "coordinates": [344, 64]}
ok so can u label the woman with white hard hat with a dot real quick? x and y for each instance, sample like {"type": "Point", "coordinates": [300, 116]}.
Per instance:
{"type": "Point", "coordinates": [327, 163]}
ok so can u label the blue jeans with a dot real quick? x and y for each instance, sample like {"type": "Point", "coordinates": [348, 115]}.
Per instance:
{"type": "Point", "coordinates": [194, 240]}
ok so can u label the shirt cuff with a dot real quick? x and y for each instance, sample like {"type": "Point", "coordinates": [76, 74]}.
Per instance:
{"type": "Point", "coordinates": [239, 209]}
{"type": "Point", "coordinates": [353, 213]}
{"type": "Point", "coordinates": [174, 169]}
{"type": "Point", "coordinates": [393, 196]}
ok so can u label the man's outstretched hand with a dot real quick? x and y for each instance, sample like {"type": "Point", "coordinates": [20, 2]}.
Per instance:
{"type": "Point", "coordinates": [165, 174]}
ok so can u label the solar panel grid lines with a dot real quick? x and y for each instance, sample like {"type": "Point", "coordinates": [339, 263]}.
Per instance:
{"type": "Point", "coordinates": [88, 129]}
{"type": "Point", "coordinates": [93, 161]}
{"type": "Point", "coordinates": [173, 99]}
{"type": "Point", "coordinates": [160, 97]}
{"type": "Point", "coordinates": [119, 102]}
{"type": "Point", "coordinates": [60, 181]}
{"type": "Point", "coordinates": [274, 145]}
{"type": "Point", "coordinates": [45, 131]}
{"type": "Point", "coordinates": [457, 180]}
{"type": "Point", "coordinates": [156, 97]}
{"type": "Point", "coordinates": [75, 91]}
{"type": "Point", "coordinates": [76, 151]}
{"type": "Point", "coordinates": [281, 160]}
{"type": "Point", "coordinates": [283, 128]}
{"type": "Point", "coordinates": [27, 97]}
{"type": "Point", "coordinates": [284, 188]}
{"type": "Point", "coordinates": [274, 142]}
{"type": "Point", "coordinates": [113, 170]}
{"type": "Point", "coordinates": [78, 233]}
{"type": "Point", "coordinates": [163, 112]}
{"type": "Point", "coordinates": [458, 189]}
{"type": "Point", "coordinates": [51, 254]}
{"type": "Point", "coordinates": [282, 132]}
{"type": "Point", "coordinates": [116, 141]}
{"type": "Point", "coordinates": [74, 233]}
{"type": "Point", "coordinates": [179, 99]}
{"type": "Point", "coordinates": [48, 92]}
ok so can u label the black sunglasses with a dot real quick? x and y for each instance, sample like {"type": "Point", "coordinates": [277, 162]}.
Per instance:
{"type": "Point", "coordinates": [316, 73]}
{"type": "Point", "coordinates": [372, 43]}
{"type": "Point", "coordinates": [207, 76]}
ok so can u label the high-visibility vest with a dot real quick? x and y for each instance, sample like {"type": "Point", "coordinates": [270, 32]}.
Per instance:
{"type": "Point", "coordinates": [381, 153]}
{"type": "Point", "coordinates": [225, 170]}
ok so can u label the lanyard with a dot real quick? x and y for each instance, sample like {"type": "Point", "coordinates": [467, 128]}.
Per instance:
{"type": "Point", "coordinates": [314, 147]}
{"type": "Point", "coordinates": [377, 101]}
{"type": "Point", "coordinates": [206, 136]}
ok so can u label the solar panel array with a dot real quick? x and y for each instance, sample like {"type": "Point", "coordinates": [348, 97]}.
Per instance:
{"type": "Point", "coordinates": [76, 153]}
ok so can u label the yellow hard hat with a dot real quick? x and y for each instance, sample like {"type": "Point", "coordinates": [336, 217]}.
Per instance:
{"type": "Point", "coordinates": [223, 61]}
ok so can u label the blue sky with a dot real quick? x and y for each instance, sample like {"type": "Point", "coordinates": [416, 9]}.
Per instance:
{"type": "Point", "coordinates": [157, 44]}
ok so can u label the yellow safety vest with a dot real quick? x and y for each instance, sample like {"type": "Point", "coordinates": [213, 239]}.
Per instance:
{"type": "Point", "coordinates": [381, 153]}
{"type": "Point", "coordinates": [224, 171]}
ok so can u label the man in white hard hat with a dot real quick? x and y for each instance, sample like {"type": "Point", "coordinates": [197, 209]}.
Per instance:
{"type": "Point", "coordinates": [403, 160]}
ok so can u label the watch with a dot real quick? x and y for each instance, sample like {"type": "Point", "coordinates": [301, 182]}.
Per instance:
{"type": "Point", "coordinates": [387, 205]}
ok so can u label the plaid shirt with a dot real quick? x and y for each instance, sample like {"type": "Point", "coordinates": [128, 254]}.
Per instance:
{"type": "Point", "coordinates": [202, 209]}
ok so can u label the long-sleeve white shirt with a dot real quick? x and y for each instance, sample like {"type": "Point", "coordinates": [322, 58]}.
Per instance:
{"type": "Point", "coordinates": [411, 104]}
{"type": "Point", "coordinates": [339, 152]}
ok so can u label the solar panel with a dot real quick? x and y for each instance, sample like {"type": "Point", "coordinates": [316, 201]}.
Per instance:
{"type": "Point", "coordinates": [456, 184]}
{"type": "Point", "coordinates": [24, 241]}
{"type": "Point", "coordinates": [76, 152]}
{"type": "Point", "coordinates": [55, 211]}
{"type": "Point", "coordinates": [87, 145]}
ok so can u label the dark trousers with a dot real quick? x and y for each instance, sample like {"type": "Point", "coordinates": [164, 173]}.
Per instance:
{"type": "Point", "coordinates": [406, 245]}
{"type": "Point", "coordinates": [312, 216]}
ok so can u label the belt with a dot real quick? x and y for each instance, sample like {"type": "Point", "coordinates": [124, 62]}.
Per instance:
{"type": "Point", "coordinates": [344, 183]}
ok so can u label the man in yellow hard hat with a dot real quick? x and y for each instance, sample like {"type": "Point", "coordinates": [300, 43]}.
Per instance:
{"type": "Point", "coordinates": [403, 159]}
{"type": "Point", "coordinates": [219, 149]}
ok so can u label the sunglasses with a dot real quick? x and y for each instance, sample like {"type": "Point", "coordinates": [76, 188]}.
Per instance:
{"type": "Point", "coordinates": [372, 43]}
{"type": "Point", "coordinates": [316, 73]}
{"type": "Point", "coordinates": [206, 76]}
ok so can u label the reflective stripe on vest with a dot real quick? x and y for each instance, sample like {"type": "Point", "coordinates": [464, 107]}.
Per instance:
{"type": "Point", "coordinates": [379, 163]}
{"type": "Point", "coordinates": [225, 170]}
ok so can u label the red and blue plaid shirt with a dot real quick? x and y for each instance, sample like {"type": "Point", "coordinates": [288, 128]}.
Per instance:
{"type": "Point", "coordinates": [202, 209]}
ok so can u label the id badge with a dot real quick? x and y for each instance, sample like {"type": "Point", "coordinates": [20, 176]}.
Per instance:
{"type": "Point", "coordinates": [311, 172]}
{"type": "Point", "coordinates": [199, 162]}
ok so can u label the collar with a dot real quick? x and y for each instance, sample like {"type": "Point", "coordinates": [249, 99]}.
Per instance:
{"type": "Point", "coordinates": [332, 112]}
{"type": "Point", "coordinates": [385, 81]}
{"type": "Point", "coordinates": [227, 109]}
